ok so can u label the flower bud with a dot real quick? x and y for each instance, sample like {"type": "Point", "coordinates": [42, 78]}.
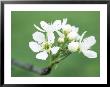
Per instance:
{"type": "Point", "coordinates": [73, 46]}
{"type": "Point", "coordinates": [67, 29]}
{"type": "Point", "coordinates": [60, 40]}
{"type": "Point", "coordinates": [72, 36]}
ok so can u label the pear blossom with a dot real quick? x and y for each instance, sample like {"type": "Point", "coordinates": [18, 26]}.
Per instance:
{"type": "Point", "coordinates": [57, 40]}
{"type": "Point", "coordinates": [44, 40]}
{"type": "Point", "coordinates": [50, 28]}
{"type": "Point", "coordinates": [86, 44]}
{"type": "Point", "coordinates": [42, 46]}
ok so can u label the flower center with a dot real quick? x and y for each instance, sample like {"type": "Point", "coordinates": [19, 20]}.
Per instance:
{"type": "Point", "coordinates": [45, 46]}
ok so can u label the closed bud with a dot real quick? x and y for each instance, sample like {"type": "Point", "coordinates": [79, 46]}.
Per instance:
{"type": "Point", "coordinates": [72, 36]}
{"type": "Point", "coordinates": [73, 46]}
{"type": "Point", "coordinates": [60, 40]}
{"type": "Point", "coordinates": [67, 29]}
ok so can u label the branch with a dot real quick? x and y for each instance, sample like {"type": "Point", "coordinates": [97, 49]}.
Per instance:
{"type": "Point", "coordinates": [30, 67]}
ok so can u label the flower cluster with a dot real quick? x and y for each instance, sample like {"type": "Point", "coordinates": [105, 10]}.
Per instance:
{"type": "Point", "coordinates": [59, 39]}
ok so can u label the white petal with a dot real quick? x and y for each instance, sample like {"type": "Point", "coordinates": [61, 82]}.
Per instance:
{"type": "Point", "coordinates": [64, 22]}
{"type": "Point", "coordinates": [88, 42]}
{"type": "Point", "coordinates": [51, 37]}
{"type": "Point", "coordinates": [46, 26]}
{"type": "Point", "coordinates": [42, 55]}
{"type": "Point", "coordinates": [57, 25]}
{"type": "Point", "coordinates": [34, 46]}
{"type": "Point", "coordinates": [38, 28]}
{"type": "Point", "coordinates": [39, 37]}
{"type": "Point", "coordinates": [90, 54]}
{"type": "Point", "coordinates": [54, 49]}
{"type": "Point", "coordinates": [75, 29]}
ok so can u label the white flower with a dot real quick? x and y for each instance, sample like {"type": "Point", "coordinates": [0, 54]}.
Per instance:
{"type": "Point", "coordinates": [41, 46]}
{"type": "Point", "coordinates": [50, 28]}
{"type": "Point", "coordinates": [86, 44]}
{"type": "Point", "coordinates": [73, 46]}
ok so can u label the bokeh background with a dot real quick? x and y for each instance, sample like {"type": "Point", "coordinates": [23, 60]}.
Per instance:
{"type": "Point", "coordinates": [76, 65]}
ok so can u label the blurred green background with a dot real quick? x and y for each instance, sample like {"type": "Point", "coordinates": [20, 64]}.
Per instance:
{"type": "Point", "coordinates": [76, 65]}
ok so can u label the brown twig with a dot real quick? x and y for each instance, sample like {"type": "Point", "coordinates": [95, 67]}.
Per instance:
{"type": "Point", "coordinates": [30, 67]}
